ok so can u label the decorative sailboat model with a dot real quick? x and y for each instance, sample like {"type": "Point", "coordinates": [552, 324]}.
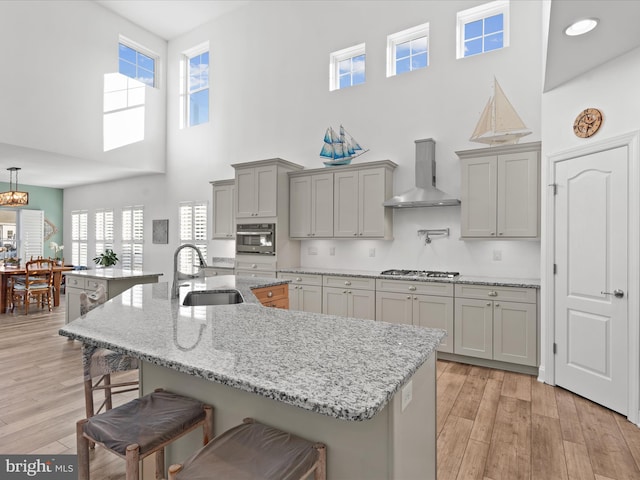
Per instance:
{"type": "Point", "coordinates": [338, 149]}
{"type": "Point", "coordinates": [499, 123]}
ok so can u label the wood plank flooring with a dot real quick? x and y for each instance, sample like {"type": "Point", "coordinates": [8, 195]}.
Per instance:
{"type": "Point", "coordinates": [492, 425]}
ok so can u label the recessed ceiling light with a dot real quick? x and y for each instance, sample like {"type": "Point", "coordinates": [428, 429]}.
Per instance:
{"type": "Point", "coordinates": [581, 27]}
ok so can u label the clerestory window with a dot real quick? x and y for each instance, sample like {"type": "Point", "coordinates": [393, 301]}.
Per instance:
{"type": "Point", "coordinates": [483, 29]}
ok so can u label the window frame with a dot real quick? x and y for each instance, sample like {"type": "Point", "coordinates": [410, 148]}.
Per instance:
{"type": "Point", "coordinates": [134, 240]}
{"type": "Point", "coordinates": [185, 93]}
{"type": "Point", "coordinates": [197, 234]}
{"type": "Point", "coordinates": [334, 65]}
{"type": "Point", "coordinates": [398, 38]}
{"type": "Point", "coordinates": [144, 51]}
{"type": "Point", "coordinates": [79, 245]}
{"type": "Point", "coordinates": [482, 12]}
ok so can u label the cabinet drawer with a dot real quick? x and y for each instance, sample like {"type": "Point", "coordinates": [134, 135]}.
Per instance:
{"type": "Point", "coordinates": [253, 263]}
{"type": "Point", "coordinates": [302, 278]}
{"type": "Point", "coordinates": [271, 293]}
{"type": "Point", "coordinates": [282, 303]}
{"type": "Point", "coordinates": [485, 292]}
{"type": "Point", "coordinates": [426, 288]}
{"type": "Point", "coordinates": [255, 273]}
{"type": "Point", "coordinates": [74, 282]}
{"type": "Point", "coordinates": [93, 284]}
{"type": "Point", "coordinates": [351, 282]}
{"type": "Point", "coordinates": [214, 271]}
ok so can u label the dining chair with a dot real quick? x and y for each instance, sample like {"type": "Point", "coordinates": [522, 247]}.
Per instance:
{"type": "Point", "coordinates": [37, 284]}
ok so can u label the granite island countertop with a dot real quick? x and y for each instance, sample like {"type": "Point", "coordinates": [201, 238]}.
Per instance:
{"type": "Point", "coordinates": [111, 273]}
{"type": "Point", "coordinates": [341, 367]}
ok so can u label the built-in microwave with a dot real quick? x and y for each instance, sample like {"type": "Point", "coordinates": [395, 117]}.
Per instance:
{"type": "Point", "coordinates": [256, 238]}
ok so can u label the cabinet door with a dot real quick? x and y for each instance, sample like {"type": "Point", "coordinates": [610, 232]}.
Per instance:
{"type": "Point", "coordinates": [478, 196]}
{"type": "Point", "coordinates": [362, 304]}
{"type": "Point", "coordinates": [310, 298]}
{"type": "Point", "coordinates": [245, 193]}
{"type": "Point", "coordinates": [345, 204]}
{"type": "Point", "coordinates": [322, 205]}
{"type": "Point", "coordinates": [473, 328]}
{"type": "Point", "coordinates": [223, 211]}
{"type": "Point", "coordinates": [515, 333]}
{"type": "Point", "coordinates": [300, 207]}
{"type": "Point", "coordinates": [517, 197]}
{"type": "Point", "coordinates": [335, 302]}
{"type": "Point", "coordinates": [394, 307]}
{"type": "Point", "coordinates": [294, 303]}
{"type": "Point", "coordinates": [73, 303]}
{"type": "Point", "coordinates": [435, 312]}
{"type": "Point", "coordinates": [371, 194]}
{"type": "Point", "coordinates": [266, 179]}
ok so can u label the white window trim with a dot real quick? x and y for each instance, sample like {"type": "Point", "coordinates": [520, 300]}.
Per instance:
{"type": "Point", "coordinates": [336, 57]}
{"type": "Point", "coordinates": [149, 53]}
{"type": "Point", "coordinates": [478, 13]}
{"type": "Point", "coordinates": [407, 35]}
{"type": "Point", "coordinates": [184, 81]}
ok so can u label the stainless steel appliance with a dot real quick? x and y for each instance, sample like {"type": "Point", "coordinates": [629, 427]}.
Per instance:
{"type": "Point", "coordinates": [420, 273]}
{"type": "Point", "coordinates": [257, 238]}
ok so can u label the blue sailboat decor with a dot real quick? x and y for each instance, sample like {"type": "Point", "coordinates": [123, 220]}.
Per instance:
{"type": "Point", "coordinates": [338, 149]}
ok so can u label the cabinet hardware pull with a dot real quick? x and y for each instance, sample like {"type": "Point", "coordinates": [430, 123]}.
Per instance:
{"type": "Point", "coordinates": [493, 294]}
{"type": "Point", "coordinates": [298, 279]}
{"type": "Point", "coordinates": [270, 294]}
{"type": "Point", "coordinates": [408, 297]}
{"type": "Point", "coordinates": [253, 265]}
{"type": "Point", "coordinates": [347, 282]}
{"type": "Point", "coordinates": [412, 289]}
{"type": "Point", "coordinates": [344, 291]}
{"type": "Point", "coordinates": [497, 304]}
{"type": "Point", "coordinates": [488, 304]}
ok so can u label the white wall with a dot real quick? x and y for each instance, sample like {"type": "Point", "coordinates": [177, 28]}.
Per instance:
{"type": "Point", "coordinates": [54, 58]}
{"type": "Point", "coordinates": [270, 98]}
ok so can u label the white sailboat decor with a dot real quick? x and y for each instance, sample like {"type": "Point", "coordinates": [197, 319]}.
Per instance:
{"type": "Point", "coordinates": [338, 149]}
{"type": "Point", "coordinates": [499, 123]}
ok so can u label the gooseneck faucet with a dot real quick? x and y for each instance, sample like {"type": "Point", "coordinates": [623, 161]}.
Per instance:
{"type": "Point", "coordinates": [177, 276]}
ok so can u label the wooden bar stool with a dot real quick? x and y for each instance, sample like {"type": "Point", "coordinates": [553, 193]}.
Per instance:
{"type": "Point", "coordinates": [254, 451]}
{"type": "Point", "coordinates": [141, 427]}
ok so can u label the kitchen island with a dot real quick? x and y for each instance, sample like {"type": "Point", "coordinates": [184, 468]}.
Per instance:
{"type": "Point", "coordinates": [365, 388]}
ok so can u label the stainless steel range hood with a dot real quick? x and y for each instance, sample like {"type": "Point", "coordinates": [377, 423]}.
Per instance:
{"type": "Point", "coordinates": [425, 193]}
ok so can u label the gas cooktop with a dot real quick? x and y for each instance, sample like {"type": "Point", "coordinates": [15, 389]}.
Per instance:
{"type": "Point", "coordinates": [420, 273]}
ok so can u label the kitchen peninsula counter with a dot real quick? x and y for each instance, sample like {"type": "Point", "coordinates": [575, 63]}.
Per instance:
{"type": "Point", "coordinates": [327, 378]}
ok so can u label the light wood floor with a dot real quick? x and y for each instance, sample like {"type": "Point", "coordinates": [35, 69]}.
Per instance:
{"type": "Point", "coordinates": [492, 425]}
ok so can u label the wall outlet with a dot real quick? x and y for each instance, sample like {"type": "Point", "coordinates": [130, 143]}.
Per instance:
{"type": "Point", "coordinates": [312, 250]}
{"type": "Point", "coordinates": [407, 394]}
{"type": "Point", "coordinates": [497, 255]}
{"type": "Point", "coordinates": [332, 251]}
{"type": "Point", "coordinates": [372, 252]}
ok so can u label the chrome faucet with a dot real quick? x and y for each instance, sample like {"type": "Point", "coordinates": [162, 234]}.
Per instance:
{"type": "Point", "coordinates": [177, 276]}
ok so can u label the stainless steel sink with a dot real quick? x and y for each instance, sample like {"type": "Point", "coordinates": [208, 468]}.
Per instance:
{"type": "Point", "coordinates": [212, 297]}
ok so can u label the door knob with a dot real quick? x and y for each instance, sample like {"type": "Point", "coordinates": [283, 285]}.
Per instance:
{"type": "Point", "coordinates": [616, 293]}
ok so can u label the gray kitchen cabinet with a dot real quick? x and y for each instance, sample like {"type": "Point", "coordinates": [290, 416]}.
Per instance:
{"type": "Point", "coordinates": [305, 291]}
{"type": "Point", "coordinates": [311, 206]}
{"type": "Point", "coordinates": [358, 197]}
{"type": "Point", "coordinates": [498, 323]}
{"type": "Point", "coordinates": [500, 191]}
{"type": "Point", "coordinates": [223, 209]}
{"type": "Point", "coordinates": [262, 188]}
{"type": "Point", "coordinates": [349, 297]}
{"type": "Point", "coordinates": [427, 304]}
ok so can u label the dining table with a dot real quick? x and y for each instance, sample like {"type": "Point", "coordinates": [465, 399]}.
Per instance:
{"type": "Point", "coordinates": [6, 272]}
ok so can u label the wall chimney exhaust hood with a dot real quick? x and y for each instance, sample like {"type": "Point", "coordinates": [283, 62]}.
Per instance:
{"type": "Point", "coordinates": [425, 193]}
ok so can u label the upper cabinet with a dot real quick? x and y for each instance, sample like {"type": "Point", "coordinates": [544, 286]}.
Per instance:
{"type": "Point", "coordinates": [500, 191]}
{"type": "Point", "coordinates": [223, 209]}
{"type": "Point", "coordinates": [311, 206]}
{"type": "Point", "coordinates": [257, 187]}
{"type": "Point", "coordinates": [342, 202]}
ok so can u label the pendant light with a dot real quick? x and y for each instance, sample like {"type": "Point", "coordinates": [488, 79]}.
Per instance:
{"type": "Point", "coordinates": [14, 198]}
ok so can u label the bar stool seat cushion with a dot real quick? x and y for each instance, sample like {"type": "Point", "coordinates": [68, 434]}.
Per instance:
{"type": "Point", "coordinates": [148, 421]}
{"type": "Point", "coordinates": [251, 451]}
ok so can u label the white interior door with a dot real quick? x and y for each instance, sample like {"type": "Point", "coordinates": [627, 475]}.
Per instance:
{"type": "Point", "coordinates": [591, 307]}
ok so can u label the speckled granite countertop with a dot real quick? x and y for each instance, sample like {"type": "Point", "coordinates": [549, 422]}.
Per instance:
{"type": "Point", "coordinates": [111, 273]}
{"type": "Point", "coordinates": [341, 367]}
{"type": "Point", "coordinates": [469, 279]}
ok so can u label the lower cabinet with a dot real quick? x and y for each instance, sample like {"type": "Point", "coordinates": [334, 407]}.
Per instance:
{"type": "Point", "coordinates": [349, 297]}
{"type": "Point", "coordinates": [496, 323]}
{"type": "Point", "coordinates": [414, 303]}
{"type": "Point", "coordinates": [276, 296]}
{"type": "Point", "coordinates": [305, 291]}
